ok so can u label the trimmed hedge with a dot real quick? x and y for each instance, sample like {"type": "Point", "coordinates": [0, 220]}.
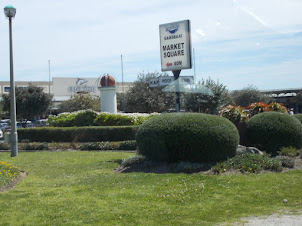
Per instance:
{"type": "Point", "coordinates": [298, 116]}
{"type": "Point", "coordinates": [270, 131]}
{"type": "Point", "coordinates": [89, 118]}
{"type": "Point", "coordinates": [122, 145]}
{"type": "Point", "coordinates": [78, 134]}
{"type": "Point", "coordinates": [187, 137]}
{"type": "Point", "coordinates": [78, 118]}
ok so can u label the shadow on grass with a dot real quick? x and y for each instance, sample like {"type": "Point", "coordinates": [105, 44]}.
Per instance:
{"type": "Point", "coordinates": [164, 167]}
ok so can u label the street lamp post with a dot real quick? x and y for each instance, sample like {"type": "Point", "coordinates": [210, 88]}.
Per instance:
{"type": "Point", "coordinates": [10, 13]}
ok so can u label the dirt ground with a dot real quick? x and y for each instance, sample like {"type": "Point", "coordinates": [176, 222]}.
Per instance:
{"type": "Point", "coordinates": [14, 182]}
{"type": "Point", "coordinates": [279, 219]}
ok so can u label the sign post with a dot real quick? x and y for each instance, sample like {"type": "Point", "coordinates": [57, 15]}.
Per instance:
{"type": "Point", "coordinates": [175, 50]}
{"type": "Point", "coordinates": [176, 76]}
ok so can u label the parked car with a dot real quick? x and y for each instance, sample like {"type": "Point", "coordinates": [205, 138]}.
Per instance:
{"type": "Point", "coordinates": [3, 125]}
{"type": "Point", "coordinates": [8, 129]}
{"type": "Point", "coordinates": [19, 125]}
{"type": "Point", "coordinates": [41, 123]}
{"type": "Point", "coordinates": [27, 124]}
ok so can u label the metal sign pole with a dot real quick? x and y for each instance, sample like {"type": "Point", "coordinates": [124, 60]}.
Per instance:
{"type": "Point", "coordinates": [176, 76]}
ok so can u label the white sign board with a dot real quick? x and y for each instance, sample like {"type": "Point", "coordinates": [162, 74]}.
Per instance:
{"type": "Point", "coordinates": [153, 82]}
{"type": "Point", "coordinates": [167, 80]}
{"type": "Point", "coordinates": [164, 81]}
{"type": "Point", "coordinates": [63, 86]}
{"type": "Point", "coordinates": [175, 45]}
{"type": "Point", "coordinates": [186, 80]}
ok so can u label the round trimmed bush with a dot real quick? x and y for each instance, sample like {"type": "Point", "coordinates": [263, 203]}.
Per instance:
{"type": "Point", "coordinates": [187, 137]}
{"type": "Point", "coordinates": [270, 131]}
{"type": "Point", "coordinates": [298, 116]}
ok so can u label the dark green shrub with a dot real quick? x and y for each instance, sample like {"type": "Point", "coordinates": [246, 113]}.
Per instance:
{"type": "Point", "coordinates": [270, 131]}
{"type": "Point", "coordinates": [95, 146]}
{"type": "Point", "coordinates": [4, 146]}
{"type": "Point", "coordinates": [133, 160]}
{"type": "Point", "coordinates": [105, 119]}
{"type": "Point", "coordinates": [105, 145]}
{"type": "Point", "coordinates": [286, 161]}
{"type": "Point", "coordinates": [62, 120]}
{"type": "Point", "coordinates": [127, 145]}
{"type": "Point", "coordinates": [289, 151]}
{"type": "Point", "coordinates": [34, 146]}
{"type": "Point", "coordinates": [298, 116]}
{"type": "Point", "coordinates": [84, 118]}
{"type": "Point", "coordinates": [78, 118]}
{"type": "Point", "coordinates": [89, 117]}
{"type": "Point", "coordinates": [78, 134]}
{"type": "Point", "coordinates": [187, 137]}
{"type": "Point", "coordinates": [249, 163]}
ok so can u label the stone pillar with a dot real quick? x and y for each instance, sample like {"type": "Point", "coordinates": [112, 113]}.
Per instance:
{"type": "Point", "coordinates": [108, 99]}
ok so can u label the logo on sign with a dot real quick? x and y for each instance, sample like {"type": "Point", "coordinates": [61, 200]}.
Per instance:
{"type": "Point", "coordinates": [81, 82]}
{"type": "Point", "coordinates": [172, 29]}
{"type": "Point", "coordinates": [169, 64]}
{"type": "Point", "coordinates": [81, 87]}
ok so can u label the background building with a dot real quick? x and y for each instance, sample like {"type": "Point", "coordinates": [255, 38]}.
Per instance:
{"type": "Point", "coordinates": [5, 86]}
{"type": "Point", "coordinates": [287, 97]}
{"type": "Point", "coordinates": [63, 88]}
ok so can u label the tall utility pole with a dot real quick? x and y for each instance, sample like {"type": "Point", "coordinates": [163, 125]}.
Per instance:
{"type": "Point", "coordinates": [49, 83]}
{"type": "Point", "coordinates": [49, 77]}
{"type": "Point", "coordinates": [124, 108]}
{"type": "Point", "coordinates": [10, 13]}
{"type": "Point", "coordinates": [194, 66]}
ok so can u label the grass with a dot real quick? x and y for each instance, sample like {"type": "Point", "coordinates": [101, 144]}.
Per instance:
{"type": "Point", "coordinates": [78, 188]}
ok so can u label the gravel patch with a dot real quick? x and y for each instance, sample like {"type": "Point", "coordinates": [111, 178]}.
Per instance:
{"type": "Point", "coordinates": [274, 220]}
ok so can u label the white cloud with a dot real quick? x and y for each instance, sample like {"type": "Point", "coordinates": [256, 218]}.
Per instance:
{"type": "Point", "coordinates": [200, 32]}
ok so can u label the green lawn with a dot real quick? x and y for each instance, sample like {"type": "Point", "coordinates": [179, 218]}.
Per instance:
{"type": "Point", "coordinates": [78, 188]}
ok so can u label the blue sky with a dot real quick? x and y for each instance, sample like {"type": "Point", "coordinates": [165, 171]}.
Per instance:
{"type": "Point", "coordinates": [238, 42]}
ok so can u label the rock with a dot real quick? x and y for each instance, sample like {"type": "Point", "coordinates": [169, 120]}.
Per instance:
{"type": "Point", "coordinates": [284, 201]}
{"type": "Point", "coordinates": [254, 150]}
{"type": "Point", "coordinates": [242, 149]}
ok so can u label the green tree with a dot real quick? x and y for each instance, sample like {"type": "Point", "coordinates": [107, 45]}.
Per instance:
{"type": "Point", "coordinates": [3, 113]}
{"type": "Point", "coordinates": [205, 102]}
{"type": "Point", "coordinates": [121, 101]}
{"type": "Point", "coordinates": [81, 102]}
{"type": "Point", "coordinates": [249, 95]}
{"type": "Point", "coordinates": [31, 102]}
{"type": "Point", "coordinates": [142, 98]}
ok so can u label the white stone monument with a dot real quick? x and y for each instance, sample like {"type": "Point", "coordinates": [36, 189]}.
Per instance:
{"type": "Point", "coordinates": [108, 89]}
